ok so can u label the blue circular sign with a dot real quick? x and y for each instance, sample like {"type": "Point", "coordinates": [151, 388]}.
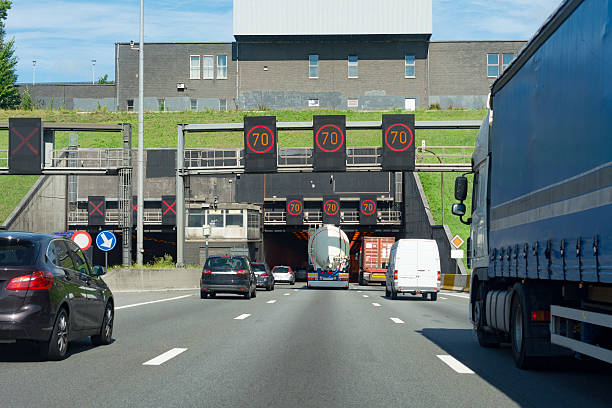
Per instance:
{"type": "Point", "coordinates": [106, 241]}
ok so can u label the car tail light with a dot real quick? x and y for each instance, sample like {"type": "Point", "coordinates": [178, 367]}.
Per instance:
{"type": "Point", "coordinates": [39, 280]}
{"type": "Point", "coordinates": [206, 272]}
{"type": "Point", "coordinates": [395, 275]}
{"type": "Point", "coordinates": [311, 278]}
{"type": "Point", "coordinates": [264, 275]}
{"type": "Point", "coordinates": [439, 276]}
{"type": "Point", "coordinates": [343, 279]}
{"type": "Point", "coordinates": [242, 272]}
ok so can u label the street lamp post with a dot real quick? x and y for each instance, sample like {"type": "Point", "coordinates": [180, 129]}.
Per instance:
{"type": "Point", "coordinates": [206, 233]}
{"type": "Point", "coordinates": [93, 71]}
{"type": "Point", "coordinates": [140, 204]}
{"type": "Point", "coordinates": [33, 72]}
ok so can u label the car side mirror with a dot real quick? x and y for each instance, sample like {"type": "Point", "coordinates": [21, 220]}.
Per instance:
{"type": "Point", "coordinates": [458, 209]}
{"type": "Point", "coordinates": [98, 271]}
{"type": "Point", "coordinates": [461, 186]}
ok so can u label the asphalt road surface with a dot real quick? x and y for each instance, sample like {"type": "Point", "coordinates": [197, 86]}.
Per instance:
{"type": "Point", "coordinates": [293, 347]}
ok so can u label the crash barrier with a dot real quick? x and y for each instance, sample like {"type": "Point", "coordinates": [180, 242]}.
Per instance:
{"type": "Point", "coordinates": [456, 282]}
{"type": "Point", "coordinates": [146, 279]}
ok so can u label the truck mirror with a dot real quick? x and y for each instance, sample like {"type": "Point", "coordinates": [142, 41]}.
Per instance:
{"type": "Point", "coordinates": [458, 209]}
{"type": "Point", "coordinates": [461, 185]}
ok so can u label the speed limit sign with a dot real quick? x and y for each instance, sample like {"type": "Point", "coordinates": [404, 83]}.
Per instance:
{"type": "Point", "coordinates": [260, 144]}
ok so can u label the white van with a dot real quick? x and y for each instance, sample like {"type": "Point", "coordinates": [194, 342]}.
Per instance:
{"type": "Point", "coordinates": [414, 267]}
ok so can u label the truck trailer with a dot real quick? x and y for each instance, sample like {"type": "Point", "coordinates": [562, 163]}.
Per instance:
{"type": "Point", "coordinates": [328, 255]}
{"type": "Point", "coordinates": [373, 259]}
{"type": "Point", "coordinates": [540, 245]}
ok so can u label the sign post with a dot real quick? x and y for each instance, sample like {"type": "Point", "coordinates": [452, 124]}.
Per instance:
{"type": "Point", "coordinates": [106, 241]}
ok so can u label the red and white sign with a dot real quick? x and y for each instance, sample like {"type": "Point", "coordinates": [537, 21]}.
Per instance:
{"type": "Point", "coordinates": [82, 239]}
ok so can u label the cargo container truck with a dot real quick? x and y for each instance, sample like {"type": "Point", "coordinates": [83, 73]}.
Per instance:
{"type": "Point", "coordinates": [373, 259]}
{"type": "Point", "coordinates": [541, 219]}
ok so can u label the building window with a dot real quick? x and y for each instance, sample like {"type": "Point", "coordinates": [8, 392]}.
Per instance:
{"type": "Point", "coordinates": [222, 104]}
{"type": "Point", "coordinates": [313, 103]}
{"type": "Point", "coordinates": [161, 104]}
{"type": "Point", "coordinates": [234, 218]}
{"type": "Point", "coordinates": [313, 66]}
{"type": "Point", "coordinates": [352, 103]}
{"type": "Point", "coordinates": [353, 69]}
{"type": "Point", "coordinates": [221, 66]}
{"type": "Point", "coordinates": [506, 60]}
{"type": "Point", "coordinates": [492, 65]}
{"type": "Point", "coordinates": [195, 218]}
{"type": "Point", "coordinates": [130, 105]}
{"type": "Point", "coordinates": [194, 67]}
{"type": "Point", "coordinates": [410, 66]}
{"type": "Point", "coordinates": [209, 69]}
{"type": "Point", "coordinates": [214, 218]}
{"type": "Point", "coordinates": [194, 104]}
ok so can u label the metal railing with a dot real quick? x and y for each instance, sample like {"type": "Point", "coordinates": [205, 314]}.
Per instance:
{"type": "Point", "coordinates": [79, 216]}
{"type": "Point", "coordinates": [3, 158]}
{"type": "Point", "coordinates": [349, 217]}
{"type": "Point", "coordinates": [81, 159]}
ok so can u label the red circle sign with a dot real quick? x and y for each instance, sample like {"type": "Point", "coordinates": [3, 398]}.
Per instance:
{"type": "Point", "coordinates": [407, 144]}
{"type": "Point", "coordinates": [331, 202]}
{"type": "Point", "coordinates": [271, 142]}
{"type": "Point", "coordinates": [364, 206]}
{"type": "Point", "coordinates": [82, 239]}
{"type": "Point", "coordinates": [339, 144]}
{"type": "Point", "coordinates": [297, 208]}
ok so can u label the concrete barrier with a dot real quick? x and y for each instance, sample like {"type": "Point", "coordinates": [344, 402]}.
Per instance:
{"type": "Point", "coordinates": [456, 282]}
{"type": "Point", "coordinates": [133, 280]}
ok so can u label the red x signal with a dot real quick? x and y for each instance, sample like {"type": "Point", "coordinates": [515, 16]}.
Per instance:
{"type": "Point", "coordinates": [96, 208]}
{"type": "Point", "coordinates": [169, 207]}
{"type": "Point", "coordinates": [25, 141]}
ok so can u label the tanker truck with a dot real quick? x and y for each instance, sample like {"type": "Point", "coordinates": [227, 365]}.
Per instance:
{"type": "Point", "coordinates": [328, 256]}
{"type": "Point", "coordinates": [541, 216]}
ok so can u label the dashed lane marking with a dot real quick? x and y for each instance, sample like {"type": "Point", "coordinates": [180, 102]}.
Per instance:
{"type": "Point", "coordinates": [365, 296]}
{"type": "Point", "coordinates": [287, 294]}
{"type": "Point", "coordinates": [242, 316]}
{"type": "Point", "coordinates": [162, 358]}
{"type": "Point", "coordinates": [453, 363]}
{"type": "Point", "coordinates": [443, 298]}
{"type": "Point", "coordinates": [151, 302]}
{"type": "Point", "coordinates": [271, 301]}
{"type": "Point", "coordinates": [295, 290]}
{"type": "Point", "coordinates": [376, 304]}
{"type": "Point", "coordinates": [396, 320]}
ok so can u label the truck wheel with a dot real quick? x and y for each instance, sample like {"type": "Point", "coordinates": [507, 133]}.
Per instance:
{"type": "Point", "coordinates": [393, 293]}
{"type": "Point", "coordinates": [424, 295]}
{"type": "Point", "coordinates": [518, 326]}
{"type": "Point", "coordinates": [478, 315]}
{"type": "Point", "coordinates": [434, 296]}
{"type": "Point", "coordinates": [361, 279]}
{"type": "Point", "coordinates": [387, 293]}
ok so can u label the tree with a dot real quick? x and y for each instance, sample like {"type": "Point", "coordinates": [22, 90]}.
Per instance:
{"type": "Point", "coordinates": [9, 94]}
{"type": "Point", "coordinates": [104, 80]}
{"type": "Point", "coordinates": [26, 100]}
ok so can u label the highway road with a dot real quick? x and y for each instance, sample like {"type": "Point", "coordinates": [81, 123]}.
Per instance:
{"type": "Point", "coordinates": [293, 347]}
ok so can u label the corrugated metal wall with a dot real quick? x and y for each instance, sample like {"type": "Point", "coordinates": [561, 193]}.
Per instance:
{"type": "Point", "coordinates": [329, 17]}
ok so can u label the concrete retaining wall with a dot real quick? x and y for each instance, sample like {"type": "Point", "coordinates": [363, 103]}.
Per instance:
{"type": "Point", "coordinates": [133, 280]}
{"type": "Point", "coordinates": [456, 282]}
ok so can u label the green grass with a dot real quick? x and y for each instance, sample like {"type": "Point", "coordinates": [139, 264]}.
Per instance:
{"type": "Point", "coordinates": [160, 131]}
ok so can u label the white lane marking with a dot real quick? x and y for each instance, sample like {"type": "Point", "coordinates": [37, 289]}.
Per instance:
{"type": "Point", "coordinates": [287, 294]}
{"type": "Point", "coordinates": [443, 298]}
{"type": "Point", "coordinates": [151, 302]}
{"type": "Point", "coordinates": [396, 320]}
{"type": "Point", "coordinates": [358, 291]}
{"type": "Point", "coordinates": [162, 358]}
{"type": "Point", "coordinates": [376, 304]}
{"type": "Point", "coordinates": [365, 296]}
{"type": "Point", "coordinates": [295, 290]}
{"type": "Point", "coordinates": [457, 295]}
{"type": "Point", "coordinates": [271, 301]}
{"type": "Point", "coordinates": [453, 363]}
{"type": "Point", "coordinates": [242, 316]}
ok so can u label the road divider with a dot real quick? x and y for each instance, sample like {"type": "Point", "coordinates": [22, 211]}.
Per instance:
{"type": "Point", "coordinates": [145, 279]}
{"type": "Point", "coordinates": [455, 364]}
{"type": "Point", "coordinates": [456, 282]}
{"type": "Point", "coordinates": [162, 358]}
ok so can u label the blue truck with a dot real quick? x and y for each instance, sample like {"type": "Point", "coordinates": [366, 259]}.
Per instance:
{"type": "Point", "coordinates": [540, 244]}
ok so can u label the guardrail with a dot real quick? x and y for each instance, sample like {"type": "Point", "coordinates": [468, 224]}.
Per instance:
{"type": "Point", "coordinates": [4, 159]}
{"type": "Point", "coordinates": [349, 217]}
{"type": "Point", "coordinates": [79, 216]}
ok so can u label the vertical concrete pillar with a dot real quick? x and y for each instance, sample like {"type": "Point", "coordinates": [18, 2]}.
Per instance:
{"type": "Point", "coordinates": [180, 197]}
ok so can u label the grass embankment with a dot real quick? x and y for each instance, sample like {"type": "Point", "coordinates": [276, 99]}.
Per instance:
{"type": "Point", "coordinates": [160, 131]}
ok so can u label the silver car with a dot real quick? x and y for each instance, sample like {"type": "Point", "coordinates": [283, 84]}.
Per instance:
{"type": "Point", "coordinates": [283, 274]}
{"type": "Point", "coordinates": [265, 279]}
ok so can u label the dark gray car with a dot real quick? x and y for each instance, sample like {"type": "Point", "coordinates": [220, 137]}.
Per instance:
{"type": "Point", "coordinates": [265, 278]}
{"type": "Point", "coordinates": [228, 274]}
{"type": "Point", "coordinates": [50, 294]}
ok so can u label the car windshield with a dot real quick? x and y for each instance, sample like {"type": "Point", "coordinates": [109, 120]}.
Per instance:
{"type": "Point", "coordinates": [225, 264]}
{"type": "Point", "coordinates": [16, 252]}
{"type": "Point", "coordinates": [281, 269]}
{"type": "Point", "coordinates": [258, 267]}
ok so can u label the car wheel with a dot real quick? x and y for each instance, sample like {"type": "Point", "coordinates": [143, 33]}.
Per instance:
{"type": "Point", "coordinates": [434, 296]}
{"type": "Point", "coordinates": [255, 292]}
{"type": "Point", "coordinates": [292, 283]}
{"type": "Point", "coordinates": [269, 288]}
{"type": "Point", "coordinates": [247, 295]}
{"type": "Point", "coordinates": [203, 294]}
{"type": "Point", "coordinates": [106, 331]}
{"type": "Point", "coordinates": [57, 346]}
{"type": "Point", "coordinates": [212, 295]}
